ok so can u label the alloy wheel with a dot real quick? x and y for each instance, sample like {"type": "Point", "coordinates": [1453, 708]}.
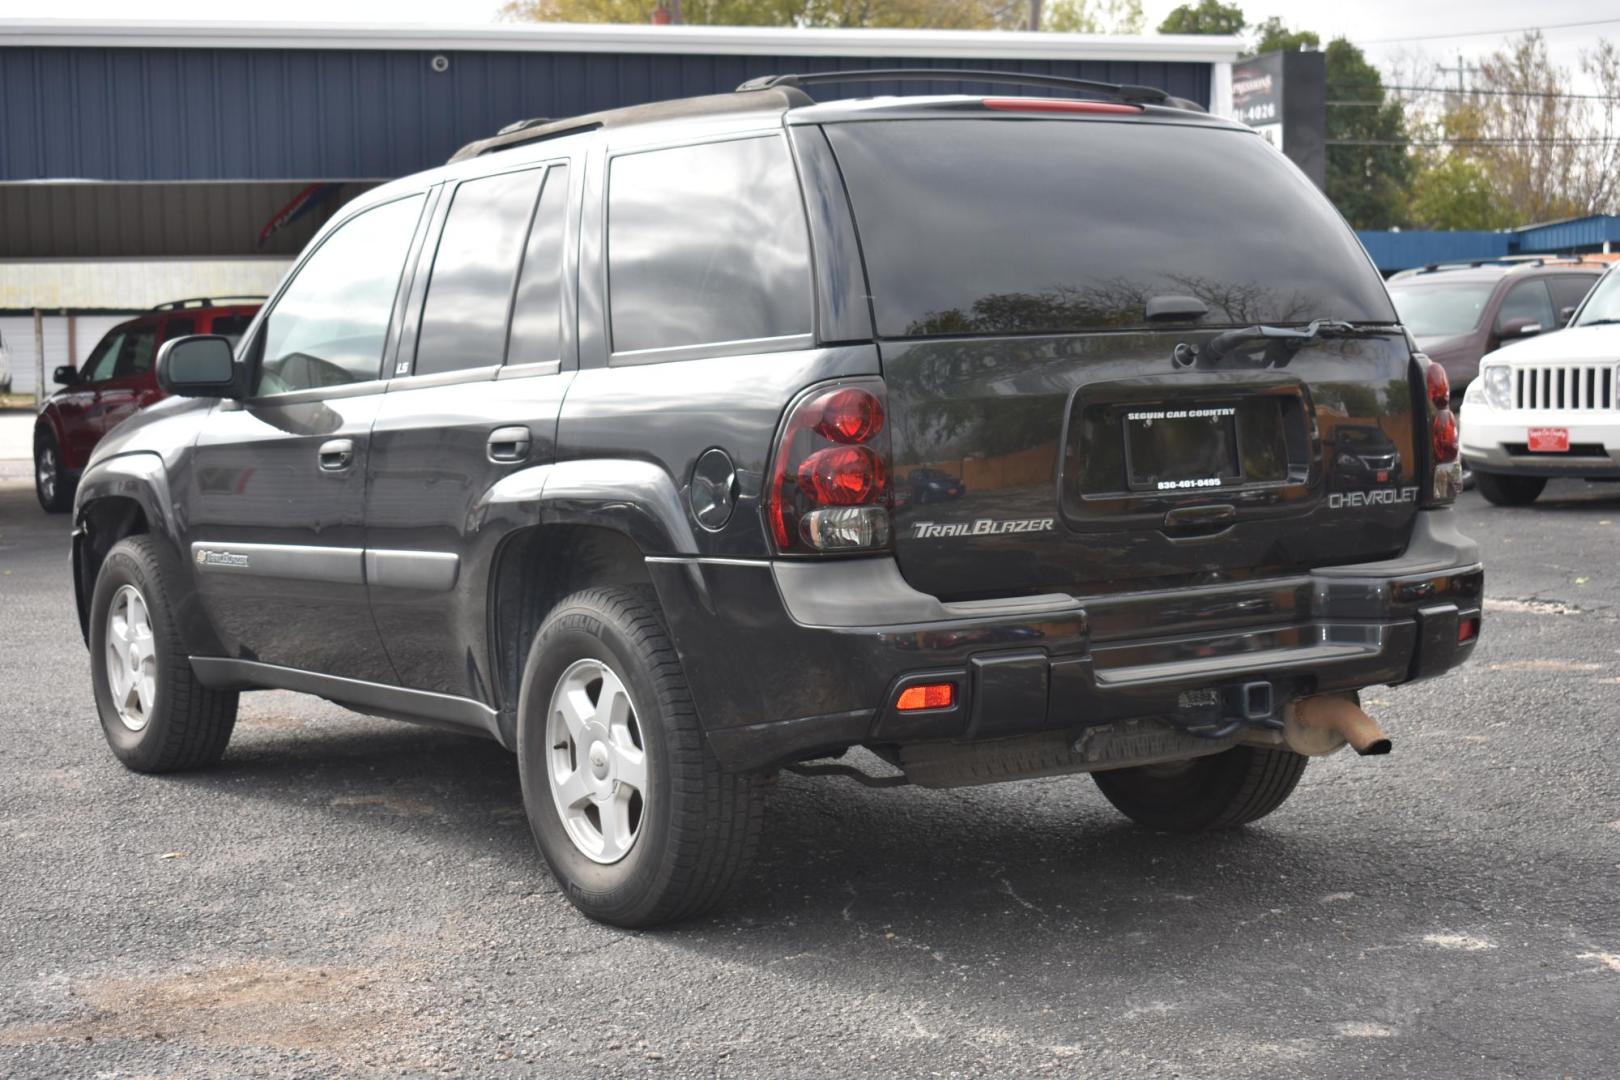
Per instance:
{"type": "Point", "coordinates": [596, 761]}
{"type": "Point", "coordinates": [131, 658]}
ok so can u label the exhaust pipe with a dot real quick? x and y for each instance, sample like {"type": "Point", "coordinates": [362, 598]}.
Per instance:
{"type": "Point", "coordinates": [1320, 725]}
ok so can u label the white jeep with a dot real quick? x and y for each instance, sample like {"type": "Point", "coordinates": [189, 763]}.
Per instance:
{"type": "Point", "coordinates": [1547, 406]}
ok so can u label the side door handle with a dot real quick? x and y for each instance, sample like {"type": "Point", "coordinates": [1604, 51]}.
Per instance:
{"type": "Point", "coordinates": [509, 443]}
{"type": "Point", "coordinates": [337, 455]}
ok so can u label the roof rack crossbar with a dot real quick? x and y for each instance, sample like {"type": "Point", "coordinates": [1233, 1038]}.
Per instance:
{"type": "Point", "coordinates": [1133, 95]}
{"type": "Point", "coordinates": [204, 301]}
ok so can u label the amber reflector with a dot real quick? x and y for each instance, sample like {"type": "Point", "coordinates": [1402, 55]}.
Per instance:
{"type": "Point", "coordinates": [927, 696]}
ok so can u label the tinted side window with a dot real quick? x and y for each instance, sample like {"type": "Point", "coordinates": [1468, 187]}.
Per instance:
{"type": "Point", "coordinates": [470, 288]}
{"type": "Point", "coordinates": [1568, 290]}
{"type": "Point", "coordinates": [706, 244]}
{"type": "Point", "coordinates": [1527, 300]}
{"type": "Point", "coordinates": [994, 226]}
{"type": "Point", "coordinates": [537, 310]}
{"type": "Point", "coordinates": [230, 326]}
{"type": "Point", "coordinates": [103, 357]}
{"type": "Point", "coordinates": [329, 326]}
{"type": "Point", "coordinates": [140, 346]}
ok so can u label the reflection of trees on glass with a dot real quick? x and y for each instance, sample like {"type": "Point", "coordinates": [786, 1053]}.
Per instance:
{"type": "Point", "coordinates": [1114, 304]}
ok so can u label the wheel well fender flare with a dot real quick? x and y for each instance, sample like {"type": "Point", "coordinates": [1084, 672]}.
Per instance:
{"type": "Point", "coordinates": [117, 497]}
{"type": "Point", "coordinates": [637, 498]}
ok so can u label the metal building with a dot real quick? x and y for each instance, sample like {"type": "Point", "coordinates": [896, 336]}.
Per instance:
{"type": "Point", "coordinates": [177, 141]}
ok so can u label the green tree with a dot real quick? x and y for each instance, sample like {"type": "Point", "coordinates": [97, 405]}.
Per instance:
{"type": "Point", "coordinates": [1093, 17]}
{"type": "Point", "coordinates": [935, 14]}
{"type": "Point", "coordinates": [1205, 17]}
{"type": "Point", "coordinates": [1273, 36]}
{"type": "Point", "coordinates": [1368, 169]}
{"type": "Point", "coordinates": [1454, 192]}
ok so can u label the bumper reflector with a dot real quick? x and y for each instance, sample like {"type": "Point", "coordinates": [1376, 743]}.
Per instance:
{"type": "Point", "coordinates": [926, 696]}
{"type": "Point", "coordinates": [1467, 629]}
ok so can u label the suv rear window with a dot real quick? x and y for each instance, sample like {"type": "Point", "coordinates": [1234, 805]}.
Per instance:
{"type": "Point", "coordinates": [1039, 226]}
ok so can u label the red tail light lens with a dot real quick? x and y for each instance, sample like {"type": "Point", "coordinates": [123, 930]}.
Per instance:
{"type": "Point", "coordinates": [829, 484]}
{"type": "Point", "coordinates": [1438, 385]}
{"type": "Point", "coordinates": [850, 416]}
{"type": "Point", "coordinates": [842, 475]}
{"type": "Point", "coordinates": [1443, 436]}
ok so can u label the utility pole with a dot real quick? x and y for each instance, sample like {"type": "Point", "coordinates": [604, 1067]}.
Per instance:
{"type": "Point", "coordinates": [1461, 69]}
{"type": "Point", "coordinates": [1035, 15]}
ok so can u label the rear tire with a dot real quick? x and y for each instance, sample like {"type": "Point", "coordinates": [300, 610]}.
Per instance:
{"type": "Point", "coordinates": [1221, 791]}
{"type": "Point", "coordinates": [51, 483]}
{"type": "Point", "coordinates": [157, 717]}
{"type": "Point", "coordinates": [1509, 490]}
{"type": "Point", "coordinates": [606, 726]}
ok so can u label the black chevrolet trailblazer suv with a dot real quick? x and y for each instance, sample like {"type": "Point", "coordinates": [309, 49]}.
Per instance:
{"type": "Point", "coordinates": [603, 441]}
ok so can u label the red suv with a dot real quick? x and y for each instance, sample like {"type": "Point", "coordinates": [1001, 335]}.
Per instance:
{"type": "Point", "coordinates": [115, 381]}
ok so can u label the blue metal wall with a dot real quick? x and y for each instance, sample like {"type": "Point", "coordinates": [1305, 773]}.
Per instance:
{"type": "Point", "coordinates": [1393, 251]}
{"type": "Point", "coordinates": [140, 114]}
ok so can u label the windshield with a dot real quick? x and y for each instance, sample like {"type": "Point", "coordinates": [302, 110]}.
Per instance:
{"type": "Point", "coordinates": [1433, 310]}
{"type": "Point", "coordinates": [1604, 303]}
{"type": "Point", "coordinates": [997, 226]}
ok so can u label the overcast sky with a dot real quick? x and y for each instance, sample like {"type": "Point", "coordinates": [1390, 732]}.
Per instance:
{"type": "Point", "coordinates": [1435, 28]}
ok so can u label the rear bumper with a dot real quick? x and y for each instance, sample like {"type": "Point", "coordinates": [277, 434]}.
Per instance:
{"type": "Point", "coordinates": [792, 660]}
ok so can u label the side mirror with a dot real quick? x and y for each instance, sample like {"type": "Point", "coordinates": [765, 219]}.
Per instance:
{"type": "Point", "coordinates": [1565, 314]}
{"type": "Point", "coordinates": [198, 366]}
{"type": "Point", "coordinates": [66, 375]}
{"type": "Point", "coordinates": [1518, 328]}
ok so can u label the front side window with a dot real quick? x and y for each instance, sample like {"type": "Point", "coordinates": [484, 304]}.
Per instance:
{"type": "Point", "coordinates": [103, 357]}
{"type": "Point", "coordinates": [1527, 302]}
{"type": "Point", "coordinates": [330, 324]}
{"type": "Point", "coordinates": [135, 358]}
{"type": "Point", "coordinates": [470, 288]}
{"type": "Point", "coordinates": [706, 244]}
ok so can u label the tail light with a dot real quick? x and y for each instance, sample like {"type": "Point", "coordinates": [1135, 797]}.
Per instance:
{"type": "Point", "coordinates": [829, 485]}
{"type": "Point", "coordinates": [1444, 441]}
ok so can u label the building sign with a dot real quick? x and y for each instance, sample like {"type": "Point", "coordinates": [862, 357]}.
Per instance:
{"type": "Point", "coordinates": [1280, 95]}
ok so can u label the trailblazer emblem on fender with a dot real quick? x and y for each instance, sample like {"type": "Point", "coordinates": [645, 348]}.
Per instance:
{"type": "Point", "coordinates": [208, 557]}
{"type": "Point", "coordinates": [928, 530]}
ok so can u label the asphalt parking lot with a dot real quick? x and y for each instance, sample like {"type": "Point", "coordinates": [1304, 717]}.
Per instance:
{"type": "Point", "coordinates": [346, 896]}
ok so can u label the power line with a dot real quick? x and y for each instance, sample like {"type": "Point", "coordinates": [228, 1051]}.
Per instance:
{"type": "Point", "coordinates": [1577, 141]}
{"type": "Point", "coordinates": [1495, 93]}
{"type": "Point", "coordinates": [1485, 33]}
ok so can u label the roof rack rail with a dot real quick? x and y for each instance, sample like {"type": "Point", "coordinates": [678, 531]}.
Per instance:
{"type": "Point", "coordinates": [1132, 95]}
{"type": "Point", "coordinates": [205, 301]}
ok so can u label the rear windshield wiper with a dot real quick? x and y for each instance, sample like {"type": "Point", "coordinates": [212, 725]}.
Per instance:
{"type": "Point", "coordinates": [1280, 342]}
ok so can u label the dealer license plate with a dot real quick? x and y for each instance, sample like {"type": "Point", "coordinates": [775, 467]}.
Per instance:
{"type": "Point", "coordinates": [1549, 440]}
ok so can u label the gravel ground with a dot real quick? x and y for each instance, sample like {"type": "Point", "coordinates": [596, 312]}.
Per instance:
{"type": "Point", "coordinates": [346, 897]}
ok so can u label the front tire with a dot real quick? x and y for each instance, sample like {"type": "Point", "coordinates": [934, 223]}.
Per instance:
{"type": "Point", "coordinates": [52, 486]}
{"type": "Point", "coordinates": [1221, 791]}
{"type": "Point", "coordinates": [638, 822]}
{"type": "Point", "coordinates": [155, 714]}
{"type": "Point", "coordinates": [1510, 490]}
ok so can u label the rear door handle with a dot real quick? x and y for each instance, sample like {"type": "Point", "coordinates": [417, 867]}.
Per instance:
{"type": "Point", "coordinates": [509, 443]}
{"type": "Point", "coordinates": [337, 455]}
